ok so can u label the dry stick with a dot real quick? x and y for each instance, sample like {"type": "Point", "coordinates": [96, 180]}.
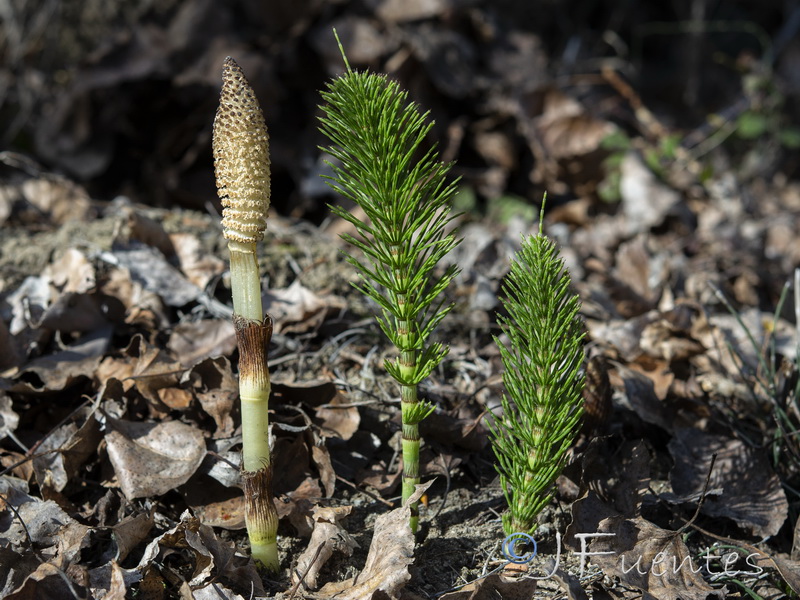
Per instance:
{"type": "Point", "coordinates": [702, 495]}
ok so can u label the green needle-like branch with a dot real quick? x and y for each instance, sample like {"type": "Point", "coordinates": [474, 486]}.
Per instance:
{"type": "Point", "coordinates": [242, 167]}
{"type": "Point", "coordinates": [377, 138]}
{"type": "Point", "coordinates": [543, 380]}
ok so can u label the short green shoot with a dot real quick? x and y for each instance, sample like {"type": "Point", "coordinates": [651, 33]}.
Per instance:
{"type": "Point", "coordinates": [542, 404]}
{"type": "Point", "coordinates": [377, 139]}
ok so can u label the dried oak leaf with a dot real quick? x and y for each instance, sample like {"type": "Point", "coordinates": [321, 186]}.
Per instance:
{"type": "Point", "coordinates": [327, 537]}
{"type": "Point", "coordinates": [495, 586]}
{"type": "Point", "coordinates": [652, 559]}
{"type": "Point", "coordinates": [752, 494]}
{"type": "Point", "coordinates": [390, 554]}
{"type": "Point", "coordinates": [151, 459]}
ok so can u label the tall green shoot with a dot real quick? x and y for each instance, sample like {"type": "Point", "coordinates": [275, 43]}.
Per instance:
{"type": "Point", "coordinates": [542, 404]}
{"type": "Point", "coordinates": [377, 139]}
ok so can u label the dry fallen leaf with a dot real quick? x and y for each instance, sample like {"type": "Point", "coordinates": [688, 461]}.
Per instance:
{"type": "Point", "coordinates": [144, 367]}
{"type": "Point", "coordinates": [752, 494]}
{"type": "Point", "coordinates": [66, 449]}
{"type": "Point", "coordinates": [646, 201]}
{"type": "Point", "coordinates": [391, 552]}
{"type": "Point", "coordinates": [194, 341]}
{"type": "Point", "coordinates": [338, 417]}
{"type": "Point", "coordinates": [149, 267]}
{"type": "Point", "coordinates": [61, 369]}
{"type": "Point", "coordinates": [216, 389]}
{"type": "Point", "coordinates": [198, 266]}
{"type": "Point", "coordinates": [649, 558]}
{"type": "Point", "coordinates": [214, 558]}
{"type": "Point", "coordinates": [8, 418]}
{"type": "Point", "coordinates": [327, 537]}
{"type": "Point", "coordinates": [151, 459]}
{"type": "Point", "coordinates": [297, 309]}
{"type": "Point", "coordinates": [495, 586]}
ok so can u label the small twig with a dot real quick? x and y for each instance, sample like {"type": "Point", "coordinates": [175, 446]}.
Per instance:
{"type": "Point", "coordinates": [446, 473]}
{"type": "Point", "coordinates": [365, 492]}
{"type": "Point", "coordinates": [702, 496]}
{"type": "Point", "coordinates": [301, 578]}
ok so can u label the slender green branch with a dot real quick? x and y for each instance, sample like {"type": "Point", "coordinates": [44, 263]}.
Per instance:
{"type": "Point", "coordinates": [242, 167]}
{"type": "Point", "coordinates": [377, 139]}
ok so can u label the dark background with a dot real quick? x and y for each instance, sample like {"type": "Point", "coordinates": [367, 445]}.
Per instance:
{"type": "Point", "coordinates": [120, 96]}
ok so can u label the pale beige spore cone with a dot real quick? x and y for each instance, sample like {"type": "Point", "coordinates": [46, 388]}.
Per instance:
{"type": "Point", "coordinates": [241, 158]}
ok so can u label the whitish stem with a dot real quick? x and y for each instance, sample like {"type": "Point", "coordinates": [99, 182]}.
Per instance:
{"type": "Point", "coordinates": [245, 280]}
{"type": "Point", "coordinates": [253, 334]}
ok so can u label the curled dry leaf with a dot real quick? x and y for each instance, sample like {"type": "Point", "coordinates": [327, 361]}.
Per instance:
{"type": "Point", "coordinates": [752, 494]}
{"type": "Point", "coordinates": [8, 418]}
{"type": "Point", "coordinates": [151, 459]}
{"type": "Point", "coordinates": [198, 266]}
{"type": "Point", "coordinates": [322, 459]}
{"type": "Point", "coordinates": [60, 456]}
{"type": "Point", "coordinates": [390, 554]}
{"type": "Point", "coordinates": [217, 391]}
{"type": "Point", "coordinates": [128, 533]}
{"type": "Point", "coordinates": [214, 558]}
{"type": "Point", "coordinates": [57, 371]}
{"type": "Point", "coordinates": [327, 537]}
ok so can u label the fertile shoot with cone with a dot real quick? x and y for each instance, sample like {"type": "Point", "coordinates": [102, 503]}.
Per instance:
{"type": "Point", "coordinates": [242, 167]}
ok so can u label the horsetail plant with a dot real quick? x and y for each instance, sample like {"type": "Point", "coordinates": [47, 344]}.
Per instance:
{"type": "Point", "coordinates": [377, 137]}
{"type": "Point", "coordinates": [242, 167]}
{"type": "Point", "coordinates": [542, 404]}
